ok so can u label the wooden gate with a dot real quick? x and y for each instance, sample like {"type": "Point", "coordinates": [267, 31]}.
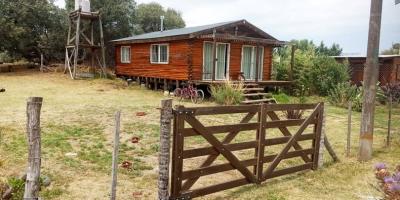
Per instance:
{"type": "Point", "coordinates": [221, 146]}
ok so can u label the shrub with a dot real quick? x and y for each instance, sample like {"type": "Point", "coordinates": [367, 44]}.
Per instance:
{"type": "Point", "coordinates": [228, 93]}
{"type": "Point", "coordinates": [5, 57]}
{"type": "Point", "coordinates": [342, 93]}
{"type": "Point", "coordinates": [282, 98]}
{"type": "Point", "coordinates": [326, 73]}
{"type": "Point", "coordinates": [389, 183]}
{"type": "Point", "coordinates": [391, 89]}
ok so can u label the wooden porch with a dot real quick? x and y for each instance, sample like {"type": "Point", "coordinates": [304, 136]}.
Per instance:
{"type": "Point", "coordinates": [267, 83]}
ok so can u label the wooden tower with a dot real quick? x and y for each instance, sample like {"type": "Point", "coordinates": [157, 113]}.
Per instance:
{"type": "Point", "coordinates": [81, 25]}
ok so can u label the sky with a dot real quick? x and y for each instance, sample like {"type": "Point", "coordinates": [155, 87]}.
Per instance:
{"type": "Point", "coordinates": [333, 21]}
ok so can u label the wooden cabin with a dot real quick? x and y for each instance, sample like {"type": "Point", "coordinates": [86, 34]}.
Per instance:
{"type": "Point", "coordinates": [389, 68]}
{"type": "Point", "coordinates": [203, 54]}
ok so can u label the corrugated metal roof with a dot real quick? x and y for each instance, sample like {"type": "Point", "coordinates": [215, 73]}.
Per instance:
{"type": "Point", "coordinates": [174, 32]}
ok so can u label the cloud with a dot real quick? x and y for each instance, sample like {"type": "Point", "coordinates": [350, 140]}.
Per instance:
{"type": "Point", "coordinates": [340, 21]}
{"type": "Point", "coordinates": [333, 21]}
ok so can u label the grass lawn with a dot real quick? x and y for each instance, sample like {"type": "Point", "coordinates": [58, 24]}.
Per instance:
{"type": "Point", "coordinates": [77, 117]}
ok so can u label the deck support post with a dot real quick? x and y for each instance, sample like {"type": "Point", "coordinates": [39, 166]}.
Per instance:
{"type": "Point", "coordinates": [214, 53]}
{"type": "Point", "coordinates": [165, 84]}
{"type": "Point", "coordinates": [155, 84]}
{"type": "Point", "coordinates": [177, 83]}
{"type": "Point", "coordinates": [147, 82]}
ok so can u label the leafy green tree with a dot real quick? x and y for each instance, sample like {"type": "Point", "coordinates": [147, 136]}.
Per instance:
{"type": "Point", "coordinates": [148, 18]}
{"type": "Point", "coordinates": [334, 50]}
{"type": "Point", "coordinates": [394, 50]}
{"type": "Point", "coordinates": [30, 28]}
{"type": "Point", "coordinates": [313, 72]}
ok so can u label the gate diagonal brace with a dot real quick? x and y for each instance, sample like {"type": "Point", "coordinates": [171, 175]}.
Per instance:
{"type": "Point", "coordinates": [199, 128]}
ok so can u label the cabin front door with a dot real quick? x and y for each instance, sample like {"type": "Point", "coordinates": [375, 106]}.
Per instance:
{"type": "Point", "coordinates": [249, 68]}
{"type": "Point", "coordinates": [221, 62]}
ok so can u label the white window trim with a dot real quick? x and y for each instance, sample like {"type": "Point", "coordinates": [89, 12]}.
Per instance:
{"type": "Point", "coordinates": [159, 53]}
{"type": "Point", "coordinates": [121, 56]}
{"type": "Point", "coordinates": [254, 48]}
{"type": "Point", "coordinates": [216, 59]}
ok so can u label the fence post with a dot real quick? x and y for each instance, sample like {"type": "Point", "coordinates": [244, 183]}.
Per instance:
{"type": "Point", "coordinates": [164, 157]}
{"type": "Point", "coordinates": [389, 121]}
{"type": "Point", "coordinates": [32, 184]}
{"type": "Point", "coordinates": [115, 156]}
{"type": "Point", "coordinates": [322, 138]}
{"type": "Point", "coordinates": [349, 129]}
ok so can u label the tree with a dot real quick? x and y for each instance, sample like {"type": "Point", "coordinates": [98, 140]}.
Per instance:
{"type": "Point", "coordinates": [394, 50]}
{"type": "Point", "coordinates": [30, 28]}
{"type": "Point", "coordinates": [334, 50]}
{"type": "Point", "coordinates": [314, 72]}
{"type": "Point", "coordinates": [118, 19]}
{"type": "Point", "coordinates": [148, 18]}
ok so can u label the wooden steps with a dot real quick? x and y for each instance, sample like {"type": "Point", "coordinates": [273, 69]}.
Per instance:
{"type": "Point", "coordinates": [254, 94]}
{"type": "Point", "coordinates": [252, 89]}
{"type": "Point", "coordinates": [257, 94]}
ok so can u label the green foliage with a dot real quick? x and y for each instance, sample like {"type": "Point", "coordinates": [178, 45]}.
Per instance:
{"type": "Point", "coordinates": [394, 50]}
{"type": "Point", "coordinates": [314, 72]}
{"type": "Point", "coordinates": [326, 73]}
{"type": "Point", "coordinates": [18, 186]}
{"type": "Point", "coordinates": [342, 93]}
{"type": "Point", "coordinates": [227, 93]}
{"type": "Point", "coordinates": [334, 50]}
{"type": "Point", "coordinates": [29, 28]}
{"type": "Point", "coordinates": [5, 57]}
{"type": "Point", "coordinates": [148, 16]}
{"type": "Point", "coordinates": [282, 98]}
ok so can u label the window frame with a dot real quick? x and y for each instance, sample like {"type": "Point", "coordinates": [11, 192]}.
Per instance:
{"type": "Point", "coordinates": [129, 55]}
{"type": "Point", "coordinates": [254, 51]}
{"type": "Point", "coordinates": [159, 54]}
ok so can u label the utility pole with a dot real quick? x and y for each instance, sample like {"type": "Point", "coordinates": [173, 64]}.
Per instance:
{"type": "Point", "coordinates": [370, 79]}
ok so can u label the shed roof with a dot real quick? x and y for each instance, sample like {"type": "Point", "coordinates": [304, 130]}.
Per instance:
{"type": "Point", "coordinates": [191, 32]}
{"type": "Point", "coordinates": [363, 57]}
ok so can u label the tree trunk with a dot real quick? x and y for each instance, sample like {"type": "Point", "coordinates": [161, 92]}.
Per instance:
{"type": "Point", "coordinates": [32, 184]}
{"type": "Point", "coordinates": [371, 73]}
{"type": "Point", "coordinates": [165, 134]}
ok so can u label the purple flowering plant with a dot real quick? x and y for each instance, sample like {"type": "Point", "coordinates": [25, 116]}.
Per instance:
{"type": "Point", "coordinates": [389, 182]}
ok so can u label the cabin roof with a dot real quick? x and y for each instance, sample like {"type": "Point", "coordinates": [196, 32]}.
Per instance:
{"type": "Point", "coordinates": [191, 32]}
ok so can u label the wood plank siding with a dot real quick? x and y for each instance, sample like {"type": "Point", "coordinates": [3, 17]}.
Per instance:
{"type": "Point", "coordinates": [185, 60]}
{"type": "Point", "coordinates": [176, 69]}
{"type": "Point", "coordinates": [389, 69]}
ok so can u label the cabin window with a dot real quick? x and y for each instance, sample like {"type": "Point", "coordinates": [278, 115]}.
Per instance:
{"type": "Point", "coordinates": [159, 53]}
{"type": "Point", "coordinates": [126, 54]}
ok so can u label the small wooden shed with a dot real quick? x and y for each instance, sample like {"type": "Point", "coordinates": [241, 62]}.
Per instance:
{"type": "Point", "coordinates": [202, 54]}
{"type": "Point", "coordinates": [389, 68]}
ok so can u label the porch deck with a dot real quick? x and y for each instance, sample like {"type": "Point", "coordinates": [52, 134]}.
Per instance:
{"type": "Point", "coordinates": [261, 83]}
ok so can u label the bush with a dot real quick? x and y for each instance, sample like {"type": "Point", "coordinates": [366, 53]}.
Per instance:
{"type": "Point", "coordinates": [326, 73]}
{"type": "Point", "coordinates": [342, 93]}
{"type": "Point", "coordinates": [5, 57]}
{"type": "Point", "coordinates": [388, 182]}
{"type": "Point", "coordinates": [313, 73]}
{"type": "Point", "coordinates": [228, 93]}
